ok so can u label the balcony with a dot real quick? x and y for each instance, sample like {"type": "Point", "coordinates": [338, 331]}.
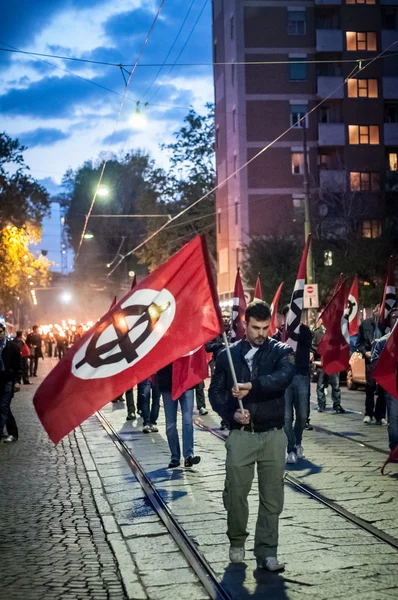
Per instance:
{"type": "Point", "coordinates": [329, 40]}
{"type": "Point", "coordinates": [333, 181]}
{"type": "Point", "coordinates": [326, 85]}
{"type": "Point", "coordinates": [391, 134]}
{"type": "Point", "coordinates": [388, 38]}
{"type": "Point", "coordinates": [390, 88]}
{"type": "Point", "coordinates": [331, 134]}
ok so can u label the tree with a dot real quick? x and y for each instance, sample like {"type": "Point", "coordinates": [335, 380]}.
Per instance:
{"type": "Point", "coordinates": [22, 199]}
{"type": "Point", "coordinates": [20, 270]}
{"type": "Point", "coordinates": [191, 175]}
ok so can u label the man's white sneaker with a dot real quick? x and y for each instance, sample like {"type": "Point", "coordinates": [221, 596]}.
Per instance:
{"type": "Point", "coordinates": [236, 554]}
{"type": "Point", "coordinates": [203, 411]}
{"type": "Point", "coordinates": [300, 451]}
{"type": "Point", "coordinates": [291, 458]}
{"type": "Point", "coordinates": [383, 422]}
{"type": "Point", "coordinates": [9, 439]}
{"type": "Point", "coordinates": [367, 420]}
{"type": "Point", "coordinates": [270, 563]}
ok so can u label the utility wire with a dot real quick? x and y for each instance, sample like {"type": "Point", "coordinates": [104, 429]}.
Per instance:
{"type": "Point", "coordinates": [117, 122]}
{"type": "Point", "coordinates": [264, 149]}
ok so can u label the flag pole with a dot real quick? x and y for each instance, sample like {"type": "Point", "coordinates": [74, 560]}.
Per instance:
{"type": "Point", "coordinates": [231, 366]}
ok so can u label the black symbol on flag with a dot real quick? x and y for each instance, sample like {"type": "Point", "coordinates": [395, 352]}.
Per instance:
{"type": "Point", "coordinates": [295, 307]}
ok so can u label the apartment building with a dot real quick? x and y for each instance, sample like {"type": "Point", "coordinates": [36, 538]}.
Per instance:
{"type": "Point", "coordinates": [282, 59]}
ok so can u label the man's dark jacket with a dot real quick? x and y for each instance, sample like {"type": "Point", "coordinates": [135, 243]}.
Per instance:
{"type": "Point", "coordinates": [366, 336]}
{"type": "Point", "coordinates": [11, 360]}
{"type": "Point", "coordinates": [273, 369]}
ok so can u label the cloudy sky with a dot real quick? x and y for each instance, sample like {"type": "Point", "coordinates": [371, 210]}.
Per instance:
{"type": "Point", "coordinates": [60, 109]}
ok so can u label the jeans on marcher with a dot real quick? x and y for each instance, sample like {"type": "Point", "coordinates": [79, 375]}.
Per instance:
{"type": "Point", "coordinates": [373, 408]}
{"type": "Point", "coordinates": [6, 416]}
{"type": "Point", "coordinates": [150, 413]}
{"type": "Point", "coordinates": [200, 395]}
{"type": "Point", "coordinates": [296, 409]}
{"type": "Point", "coordinates": [170, 410]}
{"type": "Point", "coordinates": [334, 381]}
{"type": "Point", "coordinates": [392, 416]}
{"type": "Point", "coordinates": [130, 402]}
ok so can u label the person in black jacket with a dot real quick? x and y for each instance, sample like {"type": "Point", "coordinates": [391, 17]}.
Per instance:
{"type": "Point", "coordinates": [9, 368]}
{"type": "Point", "coordinates": [34, 342]}
{"type": "Point", "coordinates": [264, 369]}
{"type": "Point", "coordinates": [369, 331]}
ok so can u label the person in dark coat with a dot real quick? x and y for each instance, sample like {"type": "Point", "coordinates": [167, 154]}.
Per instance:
{"type": "Point", "coordinates": [34, 342]}
{"type": "Point", "coordinates": [24, 366]}
{"type": "Point", "coordinates": [9, 367]}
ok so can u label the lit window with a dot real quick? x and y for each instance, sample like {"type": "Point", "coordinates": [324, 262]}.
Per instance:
{"type": "Point", "coordinates": [363, 134]}
{"type": "Point", "coordinates": [364, 182]}
{"type": "Point", "coordinates": [297, 70]}
{"type": "Point", "coordinates": [297, 114]}
{"type": "Point", "coordinates": [328, 258]}
{"type": "Point", "coordinates": [297, 163]}
{"type": "Point", "coordinates": [296, 22]}
{"type": "Point", "coordinates": [361, 40]}
{"type": "Point", "coordinates": [360, 1]}
{"type": "Point", "coordinates": [393, 161]}
{"type": "Point", "coordinates": [371, 228]}
{"type": "Point", "coordinates": [362, 88]}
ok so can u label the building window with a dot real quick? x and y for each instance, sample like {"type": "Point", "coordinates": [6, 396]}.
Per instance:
{"type": "Point", "coordinates": [219, 221]}
{"type": "Point", "coordinates": [298, 116]}
{"type": "Point", "coordinates": [217, 137]}
{"type": "Point", "coordinates": [393, 161]}
{"type": "Point", "coordinates": [362, 88]}
{"type": "Point", "coordinates": [329, 70]}
{"type": "Point", "coordinates": [297, 163]}
{"type": "Point", "coordinates": [296, 22]}
{"type": "Point", "coordinates": [361, 40]}
{"type": "Point", "coordinates": [363, 134]}
{"type": "Point", "coordinates": [324, 114]}
{"type": "Point", "coordinates": [391, 113]}
{"type": "Point", "coordinates": [297, 69]}
{"type": "Point", "coordinates": [235, 165]}
{"type": "Point", "coordinates": [328, 19]}
{"type": "Point", "coordinates": [328, 258]}
{"type": "Point", "coordinates": [298, 208]}
{"type": "Point", "coordinates": [236, 212]}
{"type": "Point", "coordinates": [371, 228]}
{"type": "Point", "coordinates": [233, 74]}
{"type": "Point", "coordinates": [360, 1]}
{"type": "Point", "coordinates": [232, 27]}
{"type": "Point", "coordinates": [324, 161]}
{"type": "Point", "coordinates": [364, 182]}
{"type": "Point", "coordinates": [388, 18]}
{"type": "Point", "coordinates": [234, 120]}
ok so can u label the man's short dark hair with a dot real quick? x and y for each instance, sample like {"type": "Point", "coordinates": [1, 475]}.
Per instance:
{"type": "Point", "coordinates": [285, 309]}
{"type": "Point", "coordinates": [35, 327]}
{"type": "Point", "coordinates": [258, 310]}
{"type": "Point", "coordinates": [19, 333]}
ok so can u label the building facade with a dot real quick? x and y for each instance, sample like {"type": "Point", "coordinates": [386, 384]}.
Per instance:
{"type": "Point", "coordinates": [282, 58]}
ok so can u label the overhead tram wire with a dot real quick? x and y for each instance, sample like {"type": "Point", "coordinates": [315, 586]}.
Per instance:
{"type": "Point", "coordinates": [264, 149]}
{"type": "Point", "coordinates": [117, 122]}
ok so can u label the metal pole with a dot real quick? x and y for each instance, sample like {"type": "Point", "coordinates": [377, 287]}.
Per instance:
{"type": "Point", "coordinates": [231, 366]}
{"type": "Point", "coordinates": [307, 212]}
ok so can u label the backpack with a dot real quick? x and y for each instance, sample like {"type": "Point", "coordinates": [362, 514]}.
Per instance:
{"type": "Point", "coordinates": [25, 352]}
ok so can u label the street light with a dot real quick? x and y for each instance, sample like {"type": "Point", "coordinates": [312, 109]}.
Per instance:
{"type": "Point", "coordinates": [88, 236]}
{"type": "Point", "coordinates": [138, 120]}
{"type": "Point", "coordinates": [102, 192]}
{"type": "Point", "coordinates": [66, 297]}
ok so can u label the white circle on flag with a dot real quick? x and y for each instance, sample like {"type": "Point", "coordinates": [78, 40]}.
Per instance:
{"type": "Point", "coordinates": [352, 308]}
{"type": "Point", "coordinates": [163, 299]}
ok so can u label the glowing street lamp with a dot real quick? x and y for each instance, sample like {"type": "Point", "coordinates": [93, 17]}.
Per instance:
{"type": "Point", "coordinates": [88, 236]}
{"type": "Point", "coordinates": [103, 192]}
{"type": "Point", "coordinates": [66, 297]}
{"type": "Point", "coordinates": [138, 120]}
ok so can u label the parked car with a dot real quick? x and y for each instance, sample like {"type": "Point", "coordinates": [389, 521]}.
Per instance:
{"type": "Point", "coordinates": [356, 372]}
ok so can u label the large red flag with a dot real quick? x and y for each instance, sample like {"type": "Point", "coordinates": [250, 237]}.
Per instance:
{"type": "Point", "coordinates": [258, 294]}
{"type": "Point", "coordinates": [238, 310]}
{"type": "Point", "coordinates": [334, 346]}
{"type": "Point", "coordinates": [385, 371]}
{"type": "Point", "coordinates": [273, 327]}
{"type": "Point", "coordinates": [189, 370]}
{"type": "Point", "coordinates": [389, 295]}
{"type": "Point", "coordinates": [293, 321]}
{"type": "Point", "coordinates": [174, 310]}
{"type": "Point", "coordinates": [352, 308]}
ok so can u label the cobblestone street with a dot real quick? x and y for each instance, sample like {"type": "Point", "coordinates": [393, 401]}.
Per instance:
{"type": "Point", "coordinates": [77, 524]}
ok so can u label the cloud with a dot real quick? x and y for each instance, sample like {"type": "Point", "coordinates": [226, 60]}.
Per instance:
{"type": "Point", "coordinates": [118, 137]}
{"type": "Point", "coordinates": [42, 137]}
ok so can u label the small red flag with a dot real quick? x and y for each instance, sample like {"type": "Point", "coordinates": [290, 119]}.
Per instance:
{"type": "Point", "coordinates": [334, 346]}
{"type": "Point", "coordinates": [273, 327]}
{"type": "Point", "coordinates": [189, 370]}
{"type": "Point", "coordinates": [238, 310]}
{"type": "Point", "coordinates": [171, 312]}
{"type": "Point", "coordinates": [293, 321]}
{"type": "Point", "coordinates": [389, 295]}
{"type": "Point", "coordinates": [352, 308]}
{"type": "Point", "coordinates": [258, 294]}
{"type": "Point", "coordinates": [385, 371]}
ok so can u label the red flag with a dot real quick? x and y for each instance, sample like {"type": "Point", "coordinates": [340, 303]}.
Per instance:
{"type": "Point", "coordinates": [258, 294]}
{"type": "Point", "coordinates": [113, 303]}
{"type": "Point", "coordinates": [134, 282]}
{"type": "Point", "coordinates": [334, 346]}
{"type": "Point", "coordinates": [352, 308]}
{"type": "Point", "coordinates": [391, 458]}
{"type": "Point", "coordinates": [189, 370]}
{"type": "Point", "coordinates": [238, 310]}
{"type": "Point", "coordinates": [385, 371]}
{"type": "Point", "coordinates": [389, 295]}
{"type": "Point", "coordinates": [292, 327]}
{"type": "Point", "coordinates": [273, 327]}
{"type": "Point", "coordinates": [171, 312]}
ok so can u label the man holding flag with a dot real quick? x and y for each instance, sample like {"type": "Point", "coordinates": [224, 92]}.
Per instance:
{"type": "Point", "coordinates": [264, 369]}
